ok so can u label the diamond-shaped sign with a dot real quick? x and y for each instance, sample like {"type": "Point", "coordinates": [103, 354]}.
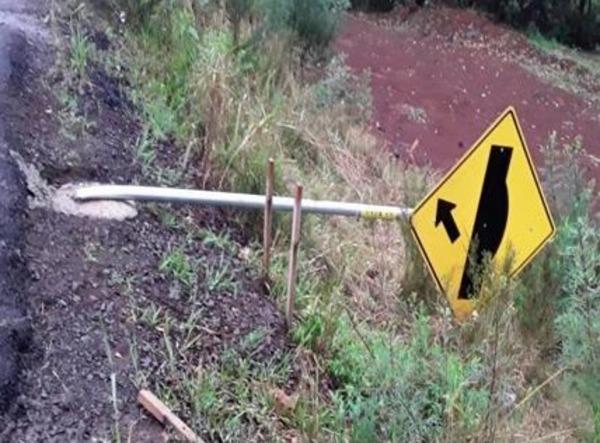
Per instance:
{"type": "Point", "coordinates": [490, 203]}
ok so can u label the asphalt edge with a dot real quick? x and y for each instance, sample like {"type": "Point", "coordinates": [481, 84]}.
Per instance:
{"type": "Point", "coordinates": [15, 326]}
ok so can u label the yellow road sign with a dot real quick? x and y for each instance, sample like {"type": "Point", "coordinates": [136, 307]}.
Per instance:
{"type": "Point", "coordinates": [490, 204]}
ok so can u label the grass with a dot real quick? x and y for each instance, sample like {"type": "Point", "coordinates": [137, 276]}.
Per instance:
{"type": "Point", "coordinates": [80, 53]}
{"type": "Point", "coordinates": [219, 277]}
{"type": "Point", "coordinates": [581, 81]}
{"type": "Point", "coordinates": [220, 241]}
{"type": "Point", "coordinates": [177, 264]}
{"type": "Point", "coordinates": [378, 354]}
{"type": "Point", "coordinates": [542, 41]}
{"type": "Point", "coordinates": [414, 114]}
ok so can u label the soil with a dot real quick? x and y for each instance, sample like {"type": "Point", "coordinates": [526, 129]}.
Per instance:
{"type": "Point", "coordinates": [89, 282]}
{"type": "Point", "coordinates": [442, 76]}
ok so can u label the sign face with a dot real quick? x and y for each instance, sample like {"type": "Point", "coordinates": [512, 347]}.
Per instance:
{"type": "Point", "coordinates": [489, 205]}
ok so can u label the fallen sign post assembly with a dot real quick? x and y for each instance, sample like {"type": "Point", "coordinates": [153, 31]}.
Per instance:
{"type": "Point", "coordinates": [244, 201]}
{"type": "Point", "coordinates": [490, 204]}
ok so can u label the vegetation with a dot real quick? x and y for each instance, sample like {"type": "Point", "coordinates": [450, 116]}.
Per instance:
{"type": "Point", "coordinates": [379, 354]}
{"type": "Point", "coordinates": [572, 22]}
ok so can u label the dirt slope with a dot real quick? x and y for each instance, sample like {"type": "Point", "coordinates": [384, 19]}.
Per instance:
{"type": "Point", "coordinates": [98, 300]}
{"type": "Point", "coordinates": [15, 332]}
{"type": "Point", "coordinates": [442, 76]}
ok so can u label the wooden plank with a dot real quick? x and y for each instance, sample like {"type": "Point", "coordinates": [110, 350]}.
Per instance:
{"type": "Point", "coordinates": [293, 264]}
{"type": "Point", "coordinates": [268, 218]}
{"type": "Point", "coordinates": [163, 414]}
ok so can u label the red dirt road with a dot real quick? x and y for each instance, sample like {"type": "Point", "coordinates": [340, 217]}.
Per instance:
{"type": "Point", "coordinates": [442, 76]}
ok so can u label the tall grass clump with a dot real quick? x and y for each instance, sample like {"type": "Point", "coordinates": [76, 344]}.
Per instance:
{"type": "Point", "coordinates": [565, 185]}
{"type": "Point", "coordinates": [313, 22]}
{"type": "Point", "coordinates": [578, 321]}
{"type": "Point", "coordinates": [413, 389]}
{"type": "Point", "coordinates": [558, 297]}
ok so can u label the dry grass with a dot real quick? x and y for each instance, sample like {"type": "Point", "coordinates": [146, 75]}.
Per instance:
{"type": "Point", "coordinates": [330, 151]}
{"type": "Point", "coordinates": [574, 71]}
{"type": "Point", "coordinates": [557, 420]}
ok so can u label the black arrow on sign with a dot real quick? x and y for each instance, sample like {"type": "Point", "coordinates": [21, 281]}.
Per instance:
{"type": "Point", "coordinates": [491, 218]}
{"type": "Point", "coordinates": [444, 216]}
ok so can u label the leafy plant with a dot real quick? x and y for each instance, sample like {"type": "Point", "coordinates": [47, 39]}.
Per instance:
{"type": "Point", "coordinates": [408, 391]}
{"type": "Point", "coordinates": [81, 49]}
{"type": "Point", "coordinates": [570, 22]}
{"type": "Point", "coordinates": [178, 265]}
{"type": "Point", "coordinates": [578, 321]}
{"type": "Point", "coordinates": [313, 22]}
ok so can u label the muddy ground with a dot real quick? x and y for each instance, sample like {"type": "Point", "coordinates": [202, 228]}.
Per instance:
{"type": "Point", "coordinates": [93, 285]}
{"type": "Point", "coordinates": [443, 75]}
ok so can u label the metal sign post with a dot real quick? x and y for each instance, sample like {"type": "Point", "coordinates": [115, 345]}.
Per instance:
{"type": "Point", "coordinates": [296, 205]}
{"type": "Point", "coordinates": [244, 201]}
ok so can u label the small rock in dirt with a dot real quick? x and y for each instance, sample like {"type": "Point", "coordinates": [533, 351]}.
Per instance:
{"type": "Point", "coordinates": [284, 402]}
{"type": "Point", "coordinates": [101, 41]}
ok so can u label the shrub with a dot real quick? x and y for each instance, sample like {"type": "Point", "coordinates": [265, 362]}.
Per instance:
{"type": "Point", "coordinates": [559, 294]}
{"type": "Point", "coordinates": [412, 391]}
{"type": "Point", "coordinates": [136, 13]}
{"type": "Point", "coordinates": [583, 30]}
{"type": "Point", "coordinates": [374, 5]}
{"type": "Point", "coordinates": [563, 180]}
{"type": "Point", "coordinates": [341, 86]}
{"type": "Point", "coordinates": [578, 324]}
{"type": "Point", "coordinates": [313, 22]}
{"type": "Point", "coordinates": [237, 10]}
{"type": "Point", "coordinates": [571, 22]}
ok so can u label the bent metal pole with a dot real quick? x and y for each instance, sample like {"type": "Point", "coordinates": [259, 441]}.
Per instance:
{"type": "Point", "coordinates": [247, 201]}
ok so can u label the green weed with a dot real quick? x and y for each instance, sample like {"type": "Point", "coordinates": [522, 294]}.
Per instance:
{"type": "Point", "coordinates": [80, 53]}
{"type": "Point", "coordinates": [152, 316]}
{"type": "Point", "coordinates": [219, 277]}
{"type": "Point", "coordinates": [253, 339]}
{"type": "Point", "coordinates": [578, 318]}
{"type": "Point", "coordinates": [177, 264]}
{"type": "Point", "coordinates": [220, 240]}
{"type": "Point", "coordinates": [392, 390]}
{"type": "Point", "coordinates": [542, 41]}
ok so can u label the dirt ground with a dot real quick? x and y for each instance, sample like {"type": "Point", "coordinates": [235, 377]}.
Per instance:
{"type": "Point", "coordinates": [94, 286]}
{"type": "Point", "coordinates": [442, 76]}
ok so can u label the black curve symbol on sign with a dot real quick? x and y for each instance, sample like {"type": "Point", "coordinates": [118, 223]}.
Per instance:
{"type": "Point", "coordinates": [491, 218]}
